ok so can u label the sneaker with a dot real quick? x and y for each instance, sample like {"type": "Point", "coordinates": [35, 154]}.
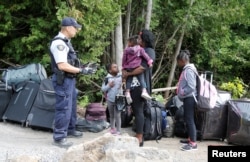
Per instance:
{"type": "Point", "coordinates": [63, 143]}
{"type": "Point", "coordinates": [146, 96]}
{"type": "Point", "coordinates": [112, 131]}
{"type": "Point", "coordinates": [189, 147]}
{"type": "Point", "coordinates": [184, 141]}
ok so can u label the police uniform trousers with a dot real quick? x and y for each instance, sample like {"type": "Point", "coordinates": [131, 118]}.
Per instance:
{"type": "Point", "coordinates": [65, 107]}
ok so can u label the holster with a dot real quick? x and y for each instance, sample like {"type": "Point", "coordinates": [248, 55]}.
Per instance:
{"type": "Point", "coordinates": [60, 75]}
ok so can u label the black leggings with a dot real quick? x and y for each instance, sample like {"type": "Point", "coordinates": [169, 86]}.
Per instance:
{"type": "Point", "coordinates": [189, 106]}
{"type": "Point", "coordinates": [138, 107]}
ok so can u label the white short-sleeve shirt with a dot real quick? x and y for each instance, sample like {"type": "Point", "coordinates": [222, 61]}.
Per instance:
{"type": "Point", "coordinates": [59, 49]}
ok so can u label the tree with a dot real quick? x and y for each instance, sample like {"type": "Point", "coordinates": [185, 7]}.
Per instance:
{"type": "Point", "coordinates": [118, 43]}
{"type": "Point", "coordinates": [217, 39]}
{"type": "Point", "coordinates": [127, 24]}
{"type": "Point", "coordinates": [177, 50]}
{"type": "Point", "coordinates": [28, 26]}
{"type": "Point", "coordinates": [216, 32]}
{"type": "Point", "coordinates": [148, 14]}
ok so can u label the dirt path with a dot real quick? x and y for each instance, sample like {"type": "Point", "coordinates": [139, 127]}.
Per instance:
{"type": "Point", "coordinates": [17, 140]}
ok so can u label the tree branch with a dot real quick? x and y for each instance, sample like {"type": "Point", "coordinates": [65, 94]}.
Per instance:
{"type": "Point", "coordinates": [9, 63]}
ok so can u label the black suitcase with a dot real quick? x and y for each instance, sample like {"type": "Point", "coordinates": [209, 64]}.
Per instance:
{"type": "Point", "coordinates": [5, 95]}
{"type": "Point", "coordinates": [213, 124]}
{"type": "Point", "coordinates": [21, 102]}
{"type": "Point", "coordinates": [238, 125]}
{"type": "Point", "coordinates": [42, 113]}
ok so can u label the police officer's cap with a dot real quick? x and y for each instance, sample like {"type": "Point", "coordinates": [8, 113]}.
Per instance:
{"type": "Point", "coordinates": [70, 21]}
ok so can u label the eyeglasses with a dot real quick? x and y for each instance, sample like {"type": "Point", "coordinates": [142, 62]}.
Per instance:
{"type": "Point", "coordinates": [77, 29]}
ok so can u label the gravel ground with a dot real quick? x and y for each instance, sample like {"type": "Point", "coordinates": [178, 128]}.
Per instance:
{"type": "Point", "coordinates": [17, 140]}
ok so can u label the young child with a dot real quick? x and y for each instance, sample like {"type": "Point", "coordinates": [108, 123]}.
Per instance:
{"type": "Point", "coordinates": [132, 58]}
{"type": "Point", "coordinates": [112, 86]}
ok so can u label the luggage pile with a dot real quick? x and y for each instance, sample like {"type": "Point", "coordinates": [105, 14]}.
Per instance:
{"type": "Point", "coordinates": [229, 119]}
{"type": "Point", "coordinates": [28, 96]}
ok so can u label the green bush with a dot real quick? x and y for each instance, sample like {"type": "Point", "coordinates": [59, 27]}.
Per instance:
{"type": "Point", "coordinates": [237, 88]}
{"type": "Point", "coordinates": [158, 97]}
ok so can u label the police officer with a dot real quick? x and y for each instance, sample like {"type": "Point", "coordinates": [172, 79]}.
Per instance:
{"type": "Point", "coordinates": [65, 67]}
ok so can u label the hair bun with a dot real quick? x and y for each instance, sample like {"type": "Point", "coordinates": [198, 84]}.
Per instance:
{"type": "Point", "coordinates": [187, 52]}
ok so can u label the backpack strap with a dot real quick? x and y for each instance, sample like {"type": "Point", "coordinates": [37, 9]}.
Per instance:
{"type": "Point", "coordinates": [197, 76]}
{"type": "Point", "coordinates": [59, 38]}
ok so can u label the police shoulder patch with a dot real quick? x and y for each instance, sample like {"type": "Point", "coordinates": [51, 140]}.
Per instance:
{"type": "Point", "coordinates": [60, 47]}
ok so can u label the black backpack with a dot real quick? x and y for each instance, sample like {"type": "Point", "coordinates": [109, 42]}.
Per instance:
{"type": "Point", "coordinates": [153, 121]}
{"type": "Point", "coordinates": [175, 110]}
{"type": "Point", "coordinates": [180, 128]}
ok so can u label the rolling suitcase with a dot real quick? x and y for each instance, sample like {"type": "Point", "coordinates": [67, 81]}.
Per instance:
{"type": "Point", "coordinates": [5, 95]}
{"type": "Point", "coordinates": [213, 124]}
{"type": "Point", "coordinates": [21, 102]}
{"type": "Point", "coordinates": [238, 125]}
{"type": "Point", "coordinates": [42, 113]}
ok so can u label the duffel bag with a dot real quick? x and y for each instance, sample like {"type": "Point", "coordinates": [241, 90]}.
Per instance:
{"type": "Point", "coordinates": [95, 111]}
{"type": "Point", "coordinates": [33, 72]}
{"type": "Point", "coordinates": [94, 126]}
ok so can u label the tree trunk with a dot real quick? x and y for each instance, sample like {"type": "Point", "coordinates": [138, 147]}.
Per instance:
{"type": "Point", "coordinates": [159, 68]}
{"type": "Point", "coordinates": [177, 50]}
{"type": "Point", "coordinates": [127, 24]}
{"type": "Point", "coordinates": [118, 43]}
{"type": "Point", "coordinates": [113, 46]}
{"type": "Point", "coordinates": [148, 14]}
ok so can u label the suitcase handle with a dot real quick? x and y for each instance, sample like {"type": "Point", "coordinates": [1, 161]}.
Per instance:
{"type": "Point", "coordinates": [205, 73]}
{"type": "Point", "coordinates": [208, 72]}
{"type": "Point", "coordinates": [6, 82]}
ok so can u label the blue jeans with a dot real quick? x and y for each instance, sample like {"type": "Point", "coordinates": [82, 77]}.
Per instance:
{"type": "Point", "coordinates": [189, 111]}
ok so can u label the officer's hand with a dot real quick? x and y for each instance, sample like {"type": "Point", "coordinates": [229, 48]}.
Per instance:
{"type": "Point", "coordinates": [88, 70]}
{"type": "Point", "coordinates": [93, 66]}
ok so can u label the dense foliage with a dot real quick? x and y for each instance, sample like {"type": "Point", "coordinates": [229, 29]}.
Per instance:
{"type": "Point", "coordinates": [215, 31]}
